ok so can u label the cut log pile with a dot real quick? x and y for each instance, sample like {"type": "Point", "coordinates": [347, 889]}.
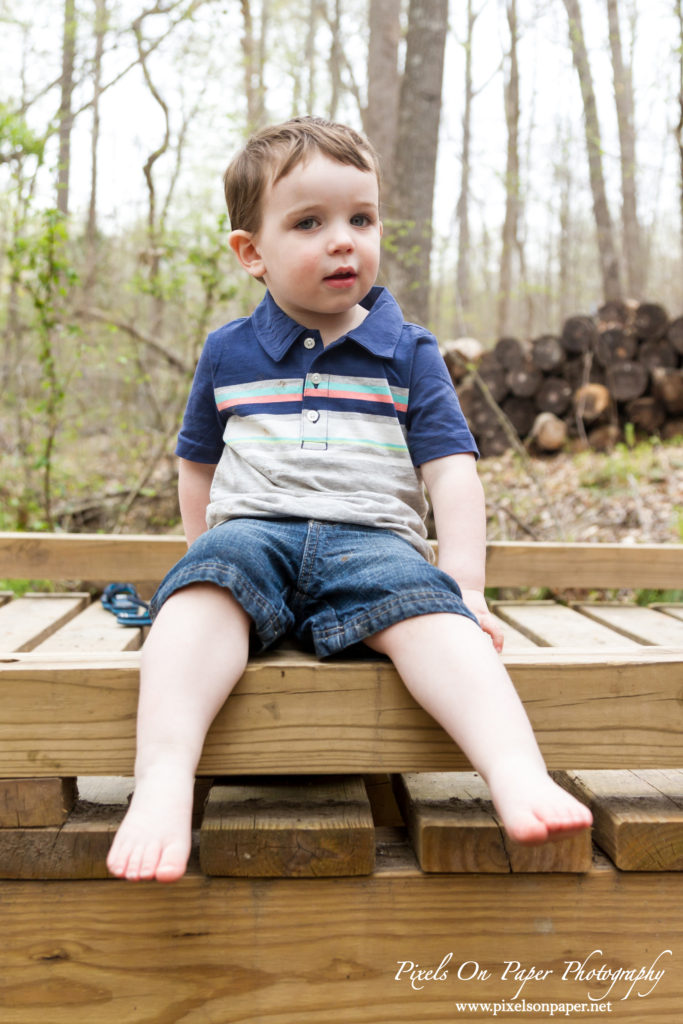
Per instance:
{"type": "Point", "coordinates": [622, 366]}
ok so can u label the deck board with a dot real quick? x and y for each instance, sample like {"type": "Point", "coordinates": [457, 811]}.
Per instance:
{"type": "Point", "coordinates": [300, 951]}
{"type": "Point", "coordinates": [75, 715]}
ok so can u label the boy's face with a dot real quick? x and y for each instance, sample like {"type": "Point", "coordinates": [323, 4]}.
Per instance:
{"type": "Point", "coordinates": [318, 246]}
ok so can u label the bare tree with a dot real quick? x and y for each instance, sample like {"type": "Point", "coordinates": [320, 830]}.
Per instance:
{"type": "Point", "coordinates": [415, 154]}
{"type": "Point", "coordinates": [510, 240]}
{"type": "Point", "coordinates": [679, 126]}
{"type": "Point", "coordinates": [65, 114]}
{"type": "Point", "coordinates": [462, 210]}
{"type": "Point", "coordinates": [253, 55]}
{"type": "Point", "coordinates": [609, 264]}
{"type": "Point", "coordinates": [101, 20]}
{"type": "Point", "coordinates": [380, 116]}
{"type": "Point", "coordinates": [623, 95]}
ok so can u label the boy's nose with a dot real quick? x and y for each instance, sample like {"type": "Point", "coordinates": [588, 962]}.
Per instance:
{"type": "Point", "coordinates": [340, 240]}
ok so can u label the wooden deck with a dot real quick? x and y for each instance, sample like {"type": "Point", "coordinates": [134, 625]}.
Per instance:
{"type": "Point", "coordinates": [400, 858]}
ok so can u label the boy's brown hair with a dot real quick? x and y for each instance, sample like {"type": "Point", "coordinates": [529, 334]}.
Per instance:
{"type": "Point", "coordinates": [272, 152]}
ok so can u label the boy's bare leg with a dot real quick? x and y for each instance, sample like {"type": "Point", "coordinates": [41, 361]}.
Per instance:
{"type": "Point", "coordinates": [196, 651]}
{"type": "Point", "coordinates": [450, 667]}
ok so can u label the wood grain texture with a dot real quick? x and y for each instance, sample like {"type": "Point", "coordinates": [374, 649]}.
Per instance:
{"type": "Point", "coordinates": [93, 629]}
{"type": "Point", "coordinates": [30, 803]}
{"type": "Point", "coordinates": [292, 715]}
{"type": "Point", "coordinates": [288, 827]}
{"type": "Point", "coordinates": [643, 625]}
{"type": "Point", "coordinates": [638, 816]}
{"type": "Point", "coordinates": [302, 951]}
{"type": "Point", "coordinates": [549, 624]}
{"type": "Point", "coordinates": [453, 827]}
{"type": "Point", "coordinates": [509, 564]}
{"type": "Point", "coordinates": [28, 621]}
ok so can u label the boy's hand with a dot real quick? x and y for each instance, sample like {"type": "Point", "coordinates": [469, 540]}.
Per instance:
{"type": "Point", "coordinates": [476, 602]}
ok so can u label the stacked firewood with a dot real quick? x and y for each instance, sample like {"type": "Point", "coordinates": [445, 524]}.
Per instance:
{"type": "Point", "coordinates": [622, 366]}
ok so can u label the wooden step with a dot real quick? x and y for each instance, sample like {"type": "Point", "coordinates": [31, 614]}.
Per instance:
{"type": "Point", "coordinates": [454, 827]}
{"type": "Point", "coordinates": [288, 828]}
{"type": "Point", "coordinates": [638, 815]}
{"type": "Point", "coordinates": [75, 715]}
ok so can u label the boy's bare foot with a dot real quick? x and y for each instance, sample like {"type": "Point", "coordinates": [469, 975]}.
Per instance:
{"type": "Point", "coordinates": [533, 808]}
{"type": "Point", "coordinates": [154, 838]}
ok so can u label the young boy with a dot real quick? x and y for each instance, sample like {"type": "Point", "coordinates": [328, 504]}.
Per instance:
{"type": "Point", "coordinates": [309, 432]}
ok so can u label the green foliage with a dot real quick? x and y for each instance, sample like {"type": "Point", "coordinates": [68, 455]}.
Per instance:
{"type": "Point", "coordinates": [16, 138]}
{"type": "Point", "coordinates": [41, 267]}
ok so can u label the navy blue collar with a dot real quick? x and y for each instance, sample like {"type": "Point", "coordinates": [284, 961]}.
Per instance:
{"type": "Point", "coordinates": [379, 333]}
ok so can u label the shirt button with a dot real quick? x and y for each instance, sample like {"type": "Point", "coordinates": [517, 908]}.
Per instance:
{"type": "Point", "coordinates": [315, 379]}
{"type": "Point", "coordinates": [313, 415]}
{"type": "Point", "coordinates": [309, 343]}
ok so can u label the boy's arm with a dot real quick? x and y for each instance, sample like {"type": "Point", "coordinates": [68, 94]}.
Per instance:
{"type": "Point", "coordinates": [194, 488]}
{"type": "Point", "coordinates": [459, 508]}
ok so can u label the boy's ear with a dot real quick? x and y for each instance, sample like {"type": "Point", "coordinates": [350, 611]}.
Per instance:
{"type": "Point", "coordinates": [242, 244]}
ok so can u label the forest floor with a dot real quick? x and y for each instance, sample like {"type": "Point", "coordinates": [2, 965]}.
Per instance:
{"type": "Point", "coordinates": [631, 495]}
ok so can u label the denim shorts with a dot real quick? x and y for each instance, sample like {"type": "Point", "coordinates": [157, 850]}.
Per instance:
{"type": "Point", "coordinates": [330, 585]}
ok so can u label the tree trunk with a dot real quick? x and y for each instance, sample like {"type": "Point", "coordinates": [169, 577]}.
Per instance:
{"type": "Point", "coordinates": [679, 126]}
{"type": "Point", "coordinates": [462, 210]}
{"type": "Point", "coordinates": [609, 266]}
{"type": "Point", "coordinates": [335, 59]}
{"type": "Point", "coordinates": [65, 115]}
{"type": "Point", "coordinates": [511, 176]}
{"type": "Point", "coordinates": [253, 54]}
{"type": "Point", "coordinates": [623, 94]}
{"type": "Point", "coordinates": [380, 117]}
{"type": "Point", "coordinates": [101, 18]}
{"type": "Point", "coordinates": [415, 157]}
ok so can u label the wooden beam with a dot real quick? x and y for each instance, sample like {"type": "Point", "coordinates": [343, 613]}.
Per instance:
{"type": "Point", "coordinates": [306, 827]}
{"type": "Point", "coordinates": [83, 556]}
{"type": "Point", "coordinates": [604, 566]}
{"type": "Point", "coordinates": [300, 951]}
{"type": "Point", "coordinates": [290, 714]}
{"type": "Point", "coordinates": [143, 558]}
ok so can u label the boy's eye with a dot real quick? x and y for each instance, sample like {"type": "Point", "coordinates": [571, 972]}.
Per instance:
{"type": "Point", "coordinates": [306, 224]}
{"type": "Point", "coordinates": [359, 220]}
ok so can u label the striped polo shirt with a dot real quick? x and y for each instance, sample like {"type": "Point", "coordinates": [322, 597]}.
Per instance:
{"type": "Point", "coordinates": [334, 433]}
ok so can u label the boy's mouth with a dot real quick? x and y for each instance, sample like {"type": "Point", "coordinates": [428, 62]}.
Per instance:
{"type": "Point", "coordinates": [342, 278]}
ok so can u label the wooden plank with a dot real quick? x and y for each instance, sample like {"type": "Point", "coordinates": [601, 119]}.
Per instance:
{"type": "Point", "coordinates": [94, 629]}
{"type": "Point", "coordinates": [638, 816]}
{"type": "Point", "coordinates": [289, 828]}
{"type": "Point", "coordinates": [88, 556]}
{"type": "Point", "coordinates": [554, 625]}
{"type": "Point", "coordinates": [675, 610]}
{"type": "Point", "coordinates": [509, 564]}
{"type": "Point", "coordinates": [513, 639]}
{"type": "Point", "coordinates": [453, 827]}
{"type": "Point", "coordinates": [29, 803]}
{"type": "Point", "coordinates": [292, 715]}
{"type": "Point", "coordinates": [302, 951]}
{"type": "Point", "coordinates": [29, 620]}
{"type": "Point", "coordinates": [76, 849]}
{"type": "Point", "coordinates": [558, 565]}
{"type": "Point", "coordinates": [644, 625]}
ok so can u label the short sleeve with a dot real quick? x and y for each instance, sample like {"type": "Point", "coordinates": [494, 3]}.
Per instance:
{"type": "Point", "coordinates": [201, 434]}
{"type": "Point", "coordinates": [435, 422]}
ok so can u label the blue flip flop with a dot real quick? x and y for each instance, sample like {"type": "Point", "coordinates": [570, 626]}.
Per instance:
{"type": "Point", "coordinates": [123, 601]}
